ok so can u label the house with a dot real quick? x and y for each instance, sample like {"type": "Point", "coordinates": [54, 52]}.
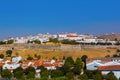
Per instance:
{"type": "Point", "coordinates": [16, 59]}
{"type": "Point", "coordinates": [114, 68]}
{"type": "Point", "coordinates": [50, 64]}
{"type": "Point", "coordinates": [25, 64]}
{"type": "Point", "coordinates": [94, 63]}
{"type": "Point", "coordinates": [11, 65]}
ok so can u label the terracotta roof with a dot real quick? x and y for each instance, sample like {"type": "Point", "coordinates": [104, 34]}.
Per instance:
{"type": "Point", "coordinates": [113, 67]}
{"type": "Point", "coordinates": [47, 65]}
{"type": "Point", "coordinates": [89, 60]}
{"type": "Point", "coordinates": [72, 36]}
{"type": "Point", "coordinates": [106, 60]}
{"type": "Point", "coordinates": [101, 59]}
{"type": "Point", "coordinates": [1, 64]}
{"type": "Point", "coordinates": [10, 62]}
{"type": "Point", "coordinates": [3, 61]}
{"type": "Point", "coordinates": [38, 62]}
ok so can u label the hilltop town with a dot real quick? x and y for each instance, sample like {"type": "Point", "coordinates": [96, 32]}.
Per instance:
{"type": "Point", "coordinates": [80, 38]}
{"type": "Point", "coordinates": [50, 53]}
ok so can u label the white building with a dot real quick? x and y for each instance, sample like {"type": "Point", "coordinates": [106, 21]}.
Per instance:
{"type": "Point", "coordinates": [112, 68]}
{"type": "Point", "coordinates": [11, 65]}
{"type": "Point", "coordinates": [105, 65]}
{"type": "Point", "coordinates": [16, 59]}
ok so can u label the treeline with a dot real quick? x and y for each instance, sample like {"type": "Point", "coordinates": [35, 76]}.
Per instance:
{"type": "Point", "coordinates": [6, 42]}
{"type": "Point", "coordinates": [34, 41]}
{"type": "Point", "coordinates": [74, 42]}
{"type": "Point", "coordinates": [98, 43]}
{"type": "Point", "coordinates": [65, 41]}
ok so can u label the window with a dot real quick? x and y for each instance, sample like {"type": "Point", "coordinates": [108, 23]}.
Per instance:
{"type": "Point", "coordinates": [96, 66]}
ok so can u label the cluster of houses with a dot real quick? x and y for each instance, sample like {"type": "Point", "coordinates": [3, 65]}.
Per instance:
{"type": "Point", "coordinates": [105, 65]}
{"type": "Point", "coordinates": [50, 64]}
{"type": "Point", "coordinates": [81, 38]}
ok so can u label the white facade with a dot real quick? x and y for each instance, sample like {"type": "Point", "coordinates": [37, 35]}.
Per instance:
{"type": "Point", "coordinates": [41, 37]}
{"type": "Point", "coordinates": [17, 59]}
{"type": "Point", "coordinates": [87, 41]}
{"type": "Point", "coordinates": [11, 66]}
{"type": "Point", "coordinates": [96, 63]}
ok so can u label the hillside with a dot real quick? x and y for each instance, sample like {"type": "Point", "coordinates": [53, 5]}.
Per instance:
{"type": "Point", "coordinates": [110, 36]}
{"type": "Point", "coordinates": [60, 53]}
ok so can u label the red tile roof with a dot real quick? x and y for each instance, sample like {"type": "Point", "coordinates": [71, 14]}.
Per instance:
{"type": "Point", "coordinates": [10, 62]}
{"type": "Point", "coordinates": [101, 59]}
{"type": "Point", "coordinates": [72, 36]}
{"type": "Point", "coordinates": [113, 67]}
{"type": "Point", "coordinates": [1, 64]}
{"type": "Point", "coordinates": [38, 62]}
{"type": "Point", "coordinates": [47, 65]}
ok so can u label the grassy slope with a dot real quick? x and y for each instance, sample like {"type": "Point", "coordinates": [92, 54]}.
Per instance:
{"type": "Point", "coordinates": [59, 53]}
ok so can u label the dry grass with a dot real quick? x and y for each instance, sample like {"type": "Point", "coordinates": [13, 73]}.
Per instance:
{"type": "Point", "coordinates": [60, 53]}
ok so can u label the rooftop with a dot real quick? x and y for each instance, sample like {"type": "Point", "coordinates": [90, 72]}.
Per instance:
{"type": "Point", "coordinates": [112, 67]}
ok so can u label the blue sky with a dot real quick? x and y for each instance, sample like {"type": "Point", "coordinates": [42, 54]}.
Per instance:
{"type": "Point", "coordinates": [30, 17]}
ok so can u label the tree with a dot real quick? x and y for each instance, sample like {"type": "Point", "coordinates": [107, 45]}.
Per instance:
{"type": "Point", "coordinates": [66, 41]}
{"type": "Point", "coordinates": [18, 69]}
{"type": "Point", "coordinates": [56, 73]}
{"type": "Point", "coordinates": [70, 75]}
{"type": "Point", "coordinates": [9, 53]}
{"type": "Point", "coordinates": [69, 63]}
{"type": "Point", "coordinates": [6, 74]}
{"type": "Point", "coordinates": [66, 67]}
{"type": "Point", "coordinates": [30, 75]}
{"type": "Point", "coordinates": [110, 76]}
{"type": "Point", "coordinates": [116, 39]}
{"type": "Point", "coordinates": [73, 42]}
{"type": "Point", "coordinates": [83, 77]}
{"type": "Point", "coordinates": [37, 56]}
{"type": "Point", "coordinates": [44, 78]}
{"type": "Point", "coordinates": [97, 72]}
{"type": "Point", "coordinates": [29, 41]}
{"type": "Point", "coordinates": [18, 74]}
{"type": "Point", "coordinates": [64, 58]}
{"type": "Point", "coordinates": [2, 42]}
{"type": "Point", "coordinates": [1, 56]}
{"type": "Point", "coordinates": [42, 68]}
{"type": "Point", "coordinates": [69, 59]}
{"type": "Point", "coordinates": [29, 70]}
{"type": "Point", "coordinates": [37, 41]}
{"type": "Point", "coordinates": [107, 56]}
{"type": "Point", "coordinates": [84, 57]}
{"type": "Point", "coordinates": [29, 58]}
{"type": "Point", "coordinates": [34, 41]}
{"type": "Point", "coordinates": [54, 40]}
{"type": "Point", "coordinates": [97, 77]}
{"type": "Point", "coordinates": [118, 50]}
{"type": "Point", "coordinates": [78, 66]}
{"type": "Point", "coordinates": [16, 54]}
{"type": "Point", "coordinates": [44, 74]}
{"type": "Point", "coordinates": [89, 74]}
{"type": "Point", "coordinates": [115, 55]}
{"type": "Point", "coordinates": [54, 58]}
{"type": "Point", "coordinates": [60, 78]}
{"type": "Point", "coordinates": [10, 41]}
